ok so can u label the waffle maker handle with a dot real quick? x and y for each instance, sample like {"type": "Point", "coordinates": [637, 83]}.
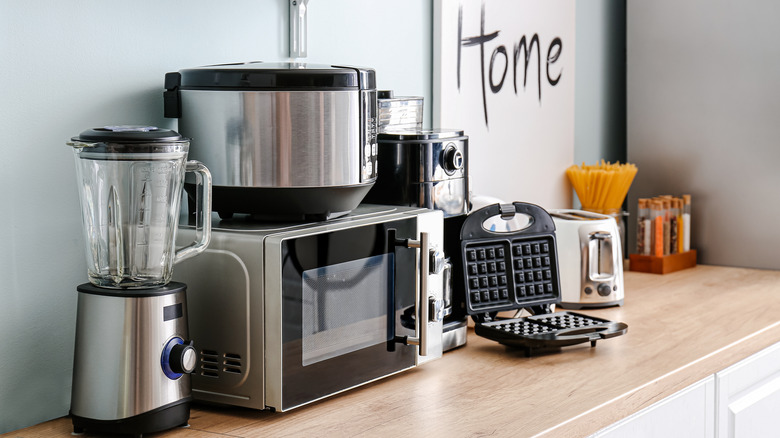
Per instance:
{"type": "Point", "coordinates": [540, 220]}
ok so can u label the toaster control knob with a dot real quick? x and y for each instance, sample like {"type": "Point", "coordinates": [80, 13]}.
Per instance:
{"type": "Point", "coordinates": [604, 290]}
{"type": "Point", "coordinates": [453, 159]}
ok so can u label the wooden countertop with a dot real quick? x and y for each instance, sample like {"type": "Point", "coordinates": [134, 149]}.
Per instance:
{"type": "Point", "coordinates": [683, 327]}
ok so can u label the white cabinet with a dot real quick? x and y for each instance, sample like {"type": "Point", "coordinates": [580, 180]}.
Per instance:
{"type": "Point", "coordinates": [742, 401]}
{"type": "Point", "coordinates": [748, 397]}
{"type": "Point", "coordinates": [688, 413]}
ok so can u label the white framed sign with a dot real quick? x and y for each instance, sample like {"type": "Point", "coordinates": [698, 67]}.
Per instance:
{"type": "Point", "coordinates": [504, 73]}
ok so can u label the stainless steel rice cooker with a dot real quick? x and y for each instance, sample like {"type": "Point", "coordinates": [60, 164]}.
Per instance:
{"type": "Point", "coordinates": [283, 140]}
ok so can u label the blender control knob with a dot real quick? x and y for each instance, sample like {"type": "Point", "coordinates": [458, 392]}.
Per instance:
{"type": "Point", "coordinates": [604, 290]}
{"type": "Point", "coordinates": [453, 159]}
{"type": "Point", "coordinates": [183, 358]}
{"type": "Point", "coordinates": [178, 358]}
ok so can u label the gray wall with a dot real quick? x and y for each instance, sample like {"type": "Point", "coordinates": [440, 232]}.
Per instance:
{"type": "Point", "coordinates": [703, 119]}
{"type": "Point", "coordinates": [72, 65]}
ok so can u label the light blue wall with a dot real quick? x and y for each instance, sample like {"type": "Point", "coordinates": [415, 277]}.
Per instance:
{"type": "Point", "coordinates": [600, 85]}
{"type": "Point", "coordinates": [66, 66]}
{"type": "Point", "coordinates": [393, 37]}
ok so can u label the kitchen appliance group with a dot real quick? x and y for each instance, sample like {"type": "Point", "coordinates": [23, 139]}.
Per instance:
{"type": "Point", "coordinates": [325, 240]}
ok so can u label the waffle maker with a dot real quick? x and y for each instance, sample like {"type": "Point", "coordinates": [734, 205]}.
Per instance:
{"type": "Point", "coordinates": [508, 262]}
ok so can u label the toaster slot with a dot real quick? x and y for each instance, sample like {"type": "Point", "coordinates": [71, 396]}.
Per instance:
{"type": "Point", "coordinates": [600, 250]}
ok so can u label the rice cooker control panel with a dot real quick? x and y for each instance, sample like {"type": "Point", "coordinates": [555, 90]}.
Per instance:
{"type": "Point", "coordinates": [368, 153]}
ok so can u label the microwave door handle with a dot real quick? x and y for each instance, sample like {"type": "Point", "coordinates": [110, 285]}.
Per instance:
{"type": "Point", "coordinates": [421, 299]}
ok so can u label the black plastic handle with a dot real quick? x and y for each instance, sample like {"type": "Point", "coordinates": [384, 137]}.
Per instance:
{"type": "Point", "coordinates": [541, 221]}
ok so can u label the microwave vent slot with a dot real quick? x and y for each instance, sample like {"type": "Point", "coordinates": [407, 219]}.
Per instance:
{"type": "Point", "coordinates": [232, 363]}
{"type": "Point", "coordinates": [209, 363]}
{"type": "Point", "coordinates": [214, 364]}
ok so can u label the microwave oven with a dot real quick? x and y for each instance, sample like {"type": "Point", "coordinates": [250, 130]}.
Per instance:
{"type": "Point", "coordinates": [282, 315]}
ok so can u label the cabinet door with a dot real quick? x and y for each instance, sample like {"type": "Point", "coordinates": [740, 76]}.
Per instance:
{"type": "Point", "coordinates": [748, 395]}
{"type": "Point", "coordinates": [687, 413]}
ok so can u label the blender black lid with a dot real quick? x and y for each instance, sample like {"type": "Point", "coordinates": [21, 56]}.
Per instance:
{"type": "Point", "coordinates": [271, 76]}
{"type": "Point", "coordinates": [129, 134]}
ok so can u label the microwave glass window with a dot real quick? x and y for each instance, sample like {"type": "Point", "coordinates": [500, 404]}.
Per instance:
{"type": "Point", "coordinates": [345, 307]}
{"type": "Point", "coordinates": [345, 294]}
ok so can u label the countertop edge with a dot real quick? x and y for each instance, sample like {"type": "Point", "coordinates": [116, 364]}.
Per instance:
{"type": "Point", "coordinates": [647, 394]}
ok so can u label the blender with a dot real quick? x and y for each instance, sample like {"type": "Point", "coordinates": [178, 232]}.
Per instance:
{"type": "Point", "coordinates": [132, 355]}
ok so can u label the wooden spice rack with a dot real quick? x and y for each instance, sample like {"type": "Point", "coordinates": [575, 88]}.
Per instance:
{"type": "Point", "coordinates": [664, 264]}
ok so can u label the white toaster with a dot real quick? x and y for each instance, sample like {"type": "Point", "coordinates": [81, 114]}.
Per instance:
{"type": "Point", "coordinates": [590, 259]}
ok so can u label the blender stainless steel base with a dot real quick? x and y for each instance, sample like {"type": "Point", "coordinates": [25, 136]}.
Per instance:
{"type": "Point", "coordinates": [132, 359]}
{"type": "Point", "coordinates": [164, 418]}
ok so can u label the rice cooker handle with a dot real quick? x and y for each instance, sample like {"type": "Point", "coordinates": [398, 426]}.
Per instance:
{"type": "Point", "coordinates": [171, 96]}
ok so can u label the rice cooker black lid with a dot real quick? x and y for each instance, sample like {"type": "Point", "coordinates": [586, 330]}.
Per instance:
{"type": "Point", "coordinates": [129, 134]}
{"type": "Point", "coordinates": [275, 76]}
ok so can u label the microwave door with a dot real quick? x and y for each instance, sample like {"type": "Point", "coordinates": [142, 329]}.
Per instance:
{"type": "Point", "coordinates": [346, 296]}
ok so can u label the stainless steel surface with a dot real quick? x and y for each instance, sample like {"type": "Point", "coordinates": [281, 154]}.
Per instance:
{"type": "Point", "coordinates": [237, 313]}
{"type": "Point", "coordinates": [590, 259]}
{"type": "Point", "coordinates": [601, 258]}
{"type": "Point", "coordinates": [435, 310]}
{"type": "Point", "coordinates": [227, 322]}
{"type": "Point", "coordinates": [422, 306]}
{"type": "Point", "coordinates": [275, 138]}
{"type": "Point", "coordinates": [454, 335]}
{"type": "Point", "coordinates": [432, 224]}
{"type": "Point", "coordinates": [119, 342]}
{"type": "Point", "coordinates": [421, 300]}
{"type": "Point", "coordinates": [447, 287]}
{"type": "Point", "coordinates": [449, 196]}
{"type": "Point", "coordinates": [437, 261]}
{"type": "Point", "coordinates": [426, 168]}
{"type": "Point", "coordinates": [299, 28]}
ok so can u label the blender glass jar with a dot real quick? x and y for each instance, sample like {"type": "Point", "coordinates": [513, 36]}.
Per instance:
{"type": "Point", "coordinates": [130, 183]}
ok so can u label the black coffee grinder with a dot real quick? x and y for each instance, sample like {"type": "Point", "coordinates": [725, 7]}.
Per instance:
{"type": "Point", "coordinates": [429, 168]}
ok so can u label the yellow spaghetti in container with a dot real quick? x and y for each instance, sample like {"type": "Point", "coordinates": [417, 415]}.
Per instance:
{"type": "Point", "coordinates": [602, 187]}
